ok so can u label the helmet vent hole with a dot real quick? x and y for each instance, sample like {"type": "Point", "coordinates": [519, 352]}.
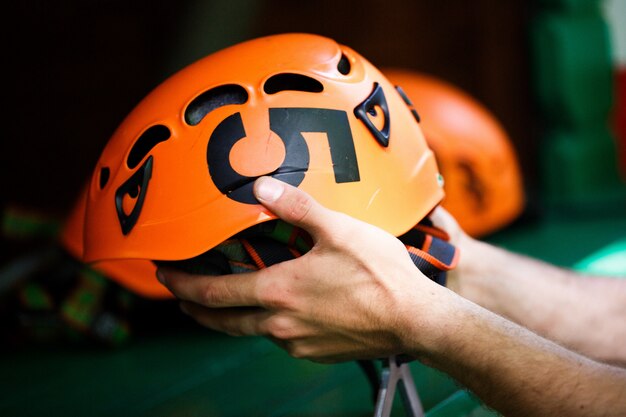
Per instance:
{"type": "Point", "coordinates": [344, 65]}
{"type": "Point", "coordinates": [146, 142]}
{"type": "Point", "coordinates": [104, 176]}
{"type": "Point", "coordinates": [292, 82]}
{"type": "Point", "coordinates": [213, 99]}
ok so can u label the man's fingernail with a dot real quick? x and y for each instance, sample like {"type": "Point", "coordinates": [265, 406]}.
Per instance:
{"type": "Point", "coordinates": [160, 276]}
{"type": "Point", "coordinates": [268, 189]}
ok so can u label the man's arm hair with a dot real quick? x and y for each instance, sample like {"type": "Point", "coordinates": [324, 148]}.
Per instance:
{"type": "Point", "coordinates": [519, 373]}
{"type": "Point", "coordinates": [581, 312]}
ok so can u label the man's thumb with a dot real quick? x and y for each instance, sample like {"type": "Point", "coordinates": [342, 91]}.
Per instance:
{"type": "Point", "coordinates": [291, 204]}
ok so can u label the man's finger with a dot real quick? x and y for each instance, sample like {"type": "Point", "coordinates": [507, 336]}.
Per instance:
{"type": "Point", "coordinates": [233, 321]}
{"type": "Point", "coordinates": [292, 205]}
{"type": "Point", "coordinates": [213, 291]}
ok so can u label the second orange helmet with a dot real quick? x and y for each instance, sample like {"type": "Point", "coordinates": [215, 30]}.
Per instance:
{"type": "Point", "coordinates": [483, 180]}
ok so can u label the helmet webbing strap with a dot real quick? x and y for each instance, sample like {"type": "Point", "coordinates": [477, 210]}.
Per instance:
{"type": "Point", "coordinates": [427, 245]}
{"type": "Point", "coordinates": [430, 250]}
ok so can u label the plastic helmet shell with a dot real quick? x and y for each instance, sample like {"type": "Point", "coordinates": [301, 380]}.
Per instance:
{"type": "Point", "coordinates": [176, 177]}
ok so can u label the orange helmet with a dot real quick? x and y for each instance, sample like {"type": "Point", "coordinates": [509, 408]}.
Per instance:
{"type": "Point", "coordinates": [483, 183]}
{"type": "Point", "coordinates": [175, 179]}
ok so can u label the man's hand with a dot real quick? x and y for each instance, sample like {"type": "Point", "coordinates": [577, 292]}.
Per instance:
{"type": "Point", "coordinates": [342, 300]}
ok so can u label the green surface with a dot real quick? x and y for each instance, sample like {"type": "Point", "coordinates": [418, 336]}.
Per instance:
{"type": "Point", "coordinates": [564, 238]}
{"type": "Point", "coordinates": [196, 372]}
{"type": "Point", "coordinates": [609, 260]}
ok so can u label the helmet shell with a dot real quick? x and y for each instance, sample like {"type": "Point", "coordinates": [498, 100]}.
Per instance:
{"type": "Point", "coordinates": [176, 177]}
{"type": "Point", "coordinates": [483, 181]}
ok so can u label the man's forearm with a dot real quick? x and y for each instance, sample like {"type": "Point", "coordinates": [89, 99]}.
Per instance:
{"type": "Point", "coordinates": [519, 373]}
{"type": "Point", "coordinates": [586, 314]}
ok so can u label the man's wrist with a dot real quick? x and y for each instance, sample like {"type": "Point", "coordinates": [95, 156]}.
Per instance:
{"type": "Point", "coordinates": [427, 323]}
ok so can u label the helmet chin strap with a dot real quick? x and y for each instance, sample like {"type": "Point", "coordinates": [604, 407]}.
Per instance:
{"type": "Point", "coordinates": [276, 241]}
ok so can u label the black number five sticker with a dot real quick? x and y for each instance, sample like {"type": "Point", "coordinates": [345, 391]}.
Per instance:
{"type": "Point", "coordinates": [288, 124]}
